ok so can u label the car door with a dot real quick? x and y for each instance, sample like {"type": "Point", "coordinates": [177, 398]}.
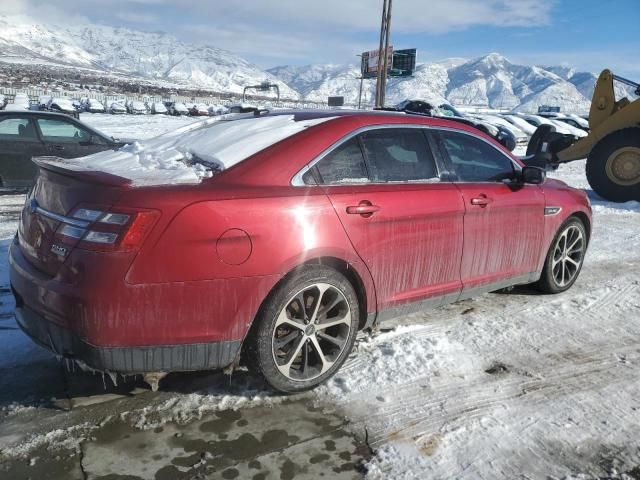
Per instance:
{"type": "Point", "coordinates": [18, 143]}
{"type": "Point", "coordinates": [403, 221]}
{"type": "Point", "coordinates": [503, 223]}
{"type": "Point", "coordinates": [64, 138]}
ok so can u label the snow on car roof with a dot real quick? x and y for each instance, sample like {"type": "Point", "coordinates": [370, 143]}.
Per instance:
{"type": "Point", "coordinates": [13, 107]}
{"type": "Point", "coordinates": [193, 152]}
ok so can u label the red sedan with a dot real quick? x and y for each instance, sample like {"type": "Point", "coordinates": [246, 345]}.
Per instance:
{"type": "Point", "coordinates": [279, 237]}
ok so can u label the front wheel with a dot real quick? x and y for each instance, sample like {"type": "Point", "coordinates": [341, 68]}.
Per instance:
{"type": "Point", "coordinates": [305, 331]}
{"type": "Point", "coordinates": [565, 257]}
{"type": "Point", "coordinates": [613, 166]}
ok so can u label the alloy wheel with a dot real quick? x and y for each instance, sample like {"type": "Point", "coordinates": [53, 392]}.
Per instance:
{"type": "Point", "coordinates": [568, 254]}
{"type": "Point", "coordinates": [311, 332]}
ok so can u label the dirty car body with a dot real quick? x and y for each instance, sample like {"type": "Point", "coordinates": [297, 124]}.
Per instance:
{"type": "Point", "coordinates": [408, 211]}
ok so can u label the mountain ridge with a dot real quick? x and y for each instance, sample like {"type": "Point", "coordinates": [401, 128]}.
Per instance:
{"type": "Point", "coordinates": [487, 81]}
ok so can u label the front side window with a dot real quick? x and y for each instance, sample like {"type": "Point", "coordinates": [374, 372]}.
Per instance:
{"type": "Point", "coordinates": [59, 131]}
{"type": "Point", "coordinates": [474, 160]}
{"type": "Point", "coordinates": [345, 164]}
{"type": "Point", "coordinates": [17, 129]}
{"type": "Point", "coordinates": [399, 155]}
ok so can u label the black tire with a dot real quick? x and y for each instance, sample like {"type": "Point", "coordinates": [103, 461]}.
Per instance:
{"type": "Point", "coordinates": [548, 282]}
{"type": "Point", "coordinates": [598, 175]}
{"type": "Point", "coordinates": [260, 345]}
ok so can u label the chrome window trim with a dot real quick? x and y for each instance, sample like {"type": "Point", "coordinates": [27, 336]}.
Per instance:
{"type": "Point", "coordinates": [297, 181]}
{"type": "Point", "coordinates": [33, 207]}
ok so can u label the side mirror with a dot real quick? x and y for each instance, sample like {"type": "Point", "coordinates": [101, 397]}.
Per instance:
{"type": "Point", "coordinates": [533, 175]}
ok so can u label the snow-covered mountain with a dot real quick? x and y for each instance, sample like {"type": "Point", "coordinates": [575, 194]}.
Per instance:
{"type": "Point", "coordinates": [150, 55]}
{"type": "Point", "coordinates": [489, 81]}
{"type": "Point", "coordinates": [317, 82]}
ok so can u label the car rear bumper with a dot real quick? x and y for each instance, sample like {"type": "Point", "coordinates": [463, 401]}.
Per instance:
{"type": "Point", "coordinates": [155, 358]}
{"type": "Point", "coordinates": [114, 326]}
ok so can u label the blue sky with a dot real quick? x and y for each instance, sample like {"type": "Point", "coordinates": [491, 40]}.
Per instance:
{"type": "Point", "coordinates": [585, 34]}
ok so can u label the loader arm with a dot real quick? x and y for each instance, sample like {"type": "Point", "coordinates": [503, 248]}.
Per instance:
{"type": "Point", "coordinates": [605, 116]}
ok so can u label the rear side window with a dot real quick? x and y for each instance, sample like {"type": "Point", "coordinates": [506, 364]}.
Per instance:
{"type": "Point", "coordinates": [62, 132]}
{"type": "Point", "coordinates": [474, 160]}
{"type": "Point", "coordinates": [399, 155]}
{"type": "Point", "coordinates": [17, 129]}
{"type": "Point", "coordinates": [345, 164]}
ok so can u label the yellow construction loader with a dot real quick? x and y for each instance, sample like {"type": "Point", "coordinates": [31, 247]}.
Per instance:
{"type": "Point", "coordinates": [612, 147]}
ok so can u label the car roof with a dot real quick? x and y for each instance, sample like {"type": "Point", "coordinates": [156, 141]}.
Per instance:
{"type": "Point", "coordinates": [34, 113]}
{"type": "Point", "coordinates": [299, 114]}
{"type": "Point", "coordinates": [38, 113]}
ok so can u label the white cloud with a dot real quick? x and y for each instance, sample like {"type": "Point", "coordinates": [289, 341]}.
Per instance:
{"type": "Point", "coordinates": [409, 16]}
{"type": "Point", "coordinates": [291, 31]}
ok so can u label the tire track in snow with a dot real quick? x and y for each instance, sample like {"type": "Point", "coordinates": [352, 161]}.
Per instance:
{"type": "Point", "coordinates": [483, 394]}
{"type": "Point", "coordinates": [429, 407]}
{"type": "Point", "coordinates": [593, 307]}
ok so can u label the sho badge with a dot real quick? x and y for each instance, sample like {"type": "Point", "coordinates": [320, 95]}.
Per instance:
{"type": "Point", "coordinates": [59, 250]}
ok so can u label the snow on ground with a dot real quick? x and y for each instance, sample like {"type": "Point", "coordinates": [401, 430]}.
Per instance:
{"type": "Point", "coordinates": [138, 127]}
{"type": "Point", "coordinates": [506, 385]}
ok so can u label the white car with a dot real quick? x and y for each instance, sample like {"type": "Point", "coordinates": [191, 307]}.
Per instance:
{"type": "Point", "coordinates": [217, 110]}
{"type": "Point", "coordinates": [537, 120]}
{"type": "Point", "coordinates": [158, 107]}
{"type": "Point", "coordinates": [574, 121]}
{"type": "Point", "coordinates": [61, 104]}
{"type": "Point", "coordinates": [136, 107]}
{"type": "Point", "coordinates": [522, 138]}
{"type": "Point", "coordinates": [521, 123]}
{"type": "Point", "coordinates": [578, 132]}
{"type": "Point", "coordinates": [179, 108]}
{"type": "Point", "coordinates": [117, 108]}
{"type": "Point", "coordinates": [43, 101]}
{"type": "Point", "coordinates": [95, 106]}
{"type": "Point", "coordinates": [244, 108]}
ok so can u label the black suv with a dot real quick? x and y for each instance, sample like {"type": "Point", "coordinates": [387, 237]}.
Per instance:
{"type": "Point", "coordinates": [28, 134]}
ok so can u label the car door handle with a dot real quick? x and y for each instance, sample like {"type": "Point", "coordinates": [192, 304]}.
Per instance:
{"type": "Point", "coordinates": [57, 147]}
{"type": "Point", "coordinates": [481, 201]}
{"type": "Point", "coordinates": [364, 208]}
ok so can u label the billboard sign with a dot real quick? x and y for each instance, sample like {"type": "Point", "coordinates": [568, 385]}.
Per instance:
{"type": "Point", "coordinates": [404, 63]}
{"type": "Point", "coordinates": [371, 62]}
{"type": "Point", "coordinates": [401, 63]}
{"type": "Point", "coordinates": [335, 101]}
{"type": "Point", "coordinates": [548, 109]}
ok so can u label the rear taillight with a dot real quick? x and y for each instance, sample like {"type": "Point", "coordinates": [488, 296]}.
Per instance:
{"type": "Point", "coordinates": [103, 229]}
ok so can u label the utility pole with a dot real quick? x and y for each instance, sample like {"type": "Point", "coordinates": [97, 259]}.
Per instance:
{"type": "Point", "coordinates": [361, 78]}
{"type": "Point", "coordinates": [385, 32]}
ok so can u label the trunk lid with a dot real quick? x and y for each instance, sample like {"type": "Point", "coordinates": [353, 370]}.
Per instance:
{"type": "Point", "coordinates": [56, 193]}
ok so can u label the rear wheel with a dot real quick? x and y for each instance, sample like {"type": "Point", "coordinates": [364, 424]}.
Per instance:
{"type": "Point", "coordinates": [565, 257]}
{"type": "Point", "coordinates": [613, 166]}
{"type": "Point", "coordinates": [305, 331]}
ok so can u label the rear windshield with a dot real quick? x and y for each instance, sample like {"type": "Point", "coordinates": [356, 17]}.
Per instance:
{"type": "Point", "coordinates": [193, 152]}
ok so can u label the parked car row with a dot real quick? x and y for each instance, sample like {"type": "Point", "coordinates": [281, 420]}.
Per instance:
{"type": "Point", "coordinates": [504, 136]}
{"type": "Point", "coordinates": [72, 106]}
{"type": "Point", "coordinates": [513, 129]}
